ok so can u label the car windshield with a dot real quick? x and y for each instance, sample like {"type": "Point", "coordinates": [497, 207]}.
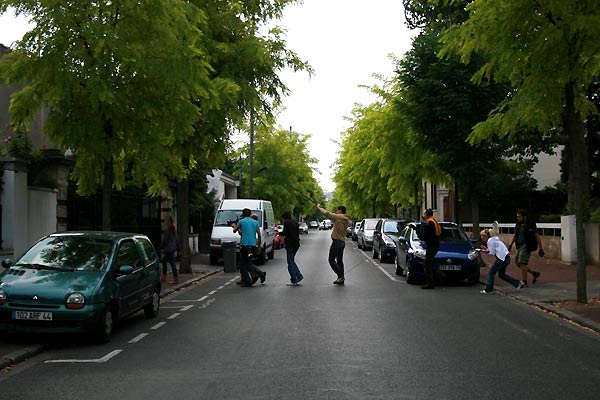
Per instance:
{"type": "Point", "coordinates": [68, 253]}
{"type": "Point", "coordinates": [227, 217]}
{"type": "Point", "coordinates": [370, 224]}
{"type": "Point", "coordinates": [390, 227]}
{"type": "Point", "coordinates": [452, 233]}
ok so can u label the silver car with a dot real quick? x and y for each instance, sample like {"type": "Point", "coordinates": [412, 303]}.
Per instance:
{"type": "Point", "coordinates": [365, 232]}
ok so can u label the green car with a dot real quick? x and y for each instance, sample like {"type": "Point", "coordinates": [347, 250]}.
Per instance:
{"type": "Point", "coordinates": [80, 282]}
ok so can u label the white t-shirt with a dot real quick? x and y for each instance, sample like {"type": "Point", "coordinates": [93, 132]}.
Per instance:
{"type": "Point", "coordinates": [497, 248]}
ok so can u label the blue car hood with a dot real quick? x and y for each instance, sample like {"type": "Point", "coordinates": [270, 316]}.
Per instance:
{"type": "Point", "coordinates": [454, 249]}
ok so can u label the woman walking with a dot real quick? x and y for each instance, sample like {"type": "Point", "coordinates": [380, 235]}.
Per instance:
{"type": "Point", "coordinates": [169, 245]}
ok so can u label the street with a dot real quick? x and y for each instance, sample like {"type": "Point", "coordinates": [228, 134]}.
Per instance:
{"type": "Point", "coordinates": [373, 338]}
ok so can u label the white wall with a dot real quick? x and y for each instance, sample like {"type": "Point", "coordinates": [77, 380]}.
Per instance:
{"type": "Point", "coordinates": [41, 211]}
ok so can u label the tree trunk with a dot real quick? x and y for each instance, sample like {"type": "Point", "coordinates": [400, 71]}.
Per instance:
{"type": "Point", "coordinates": [107, 195]}
{"type": "Point", "coordinates": [577, 172]}
{"type": "Point", "coordinates": [183, 226]}
{"type": "Point", "coordinates": [251, 161]}
{"type": "Point", "coordinates": [456, 205]}
{"type": "Point", "coordinates": [416, 211]}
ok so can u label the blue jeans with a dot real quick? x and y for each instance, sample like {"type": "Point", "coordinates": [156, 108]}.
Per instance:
{"type": "Point", "coordinates": [245, 263]}
{"type": "Point", "coordinates": [291, 263]}
{"type": "Point", "coordinates": [499, 266]}
{"type": "Point", "coordinates": [336, 257]}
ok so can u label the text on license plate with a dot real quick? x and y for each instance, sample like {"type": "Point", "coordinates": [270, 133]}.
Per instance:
{"type": "Point", "coordinates": [449, 267]}
{"type": "Point", "coordinates": [32, 315]}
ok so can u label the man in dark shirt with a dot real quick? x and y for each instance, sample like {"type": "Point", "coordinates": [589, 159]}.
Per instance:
{"type": "Point", "coordinates": [291, 234]}
{"type": "Point", "coordinates": [429, 231]}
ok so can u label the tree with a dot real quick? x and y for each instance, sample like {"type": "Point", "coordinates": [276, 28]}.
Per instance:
{"type": "Point", "coordinates": [245, 74]}
{"type": "Point", "coordinates": [285, 172]}
{"type": "Point", "coordinates": [120, 81]}
{"type": "Point", "coordinates": [548, 51]}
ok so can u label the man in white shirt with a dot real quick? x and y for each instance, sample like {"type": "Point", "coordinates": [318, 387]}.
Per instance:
{"type": "Point", "coordinates": [493, 246]}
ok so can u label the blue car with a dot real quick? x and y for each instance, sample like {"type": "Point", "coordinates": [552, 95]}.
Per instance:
{"type": "Point", "coordinates": [456, 260]}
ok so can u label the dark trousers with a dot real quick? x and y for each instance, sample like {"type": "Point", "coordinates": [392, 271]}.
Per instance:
{"type": "Point", "coordinates": [429, 264]}
{"type": "Point", "coordinates": [169, 258]}
{"type": "Point", "coordinates": [336, 257]}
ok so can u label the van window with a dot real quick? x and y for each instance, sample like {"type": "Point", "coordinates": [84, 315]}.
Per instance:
{"type": "Point", "coordinates": [227, 217]}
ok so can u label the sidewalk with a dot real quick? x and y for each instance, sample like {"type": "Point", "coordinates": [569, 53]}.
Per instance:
{"type": "Point", "coordinates": [13, 350]}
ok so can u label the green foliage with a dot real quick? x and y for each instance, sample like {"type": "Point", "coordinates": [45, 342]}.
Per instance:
{"type": "Point", "coordinates": [283, 170]}
{"type": "Point", "coordinates": [17, 145]}
{"type": "Point", "coordinates": [120, 80]}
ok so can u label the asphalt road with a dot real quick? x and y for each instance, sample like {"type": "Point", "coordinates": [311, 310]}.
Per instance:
{"type": "Point", "coordinates": [374, 338]}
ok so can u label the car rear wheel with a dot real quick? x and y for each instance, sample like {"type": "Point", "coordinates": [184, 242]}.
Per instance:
{"type": "Point", "coordinates": [271, 254]}
{"type": "Point", "coordinates": [151, 309]}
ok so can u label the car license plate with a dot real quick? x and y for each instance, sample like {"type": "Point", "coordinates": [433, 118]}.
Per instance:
{"type": "Point", "coordinates": [450, 267]}
{"type": "Point", "coordinates": [32, 315]}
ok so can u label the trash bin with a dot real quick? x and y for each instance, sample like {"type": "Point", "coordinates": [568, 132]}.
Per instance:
{"type": "Point", "coordinates": [229, 256]}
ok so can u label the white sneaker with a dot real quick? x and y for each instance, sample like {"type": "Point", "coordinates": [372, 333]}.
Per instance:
{"type": "Point", "coordinates": [520, 285]}
{"type": "Point", "coordinates": [485, 292]}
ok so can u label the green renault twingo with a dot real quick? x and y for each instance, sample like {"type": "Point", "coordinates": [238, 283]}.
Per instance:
{"type": "Point", "coordinates": [80, 282]}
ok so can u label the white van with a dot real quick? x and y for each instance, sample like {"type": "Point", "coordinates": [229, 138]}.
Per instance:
{"type": "Point", "coordinates": [229, 211]}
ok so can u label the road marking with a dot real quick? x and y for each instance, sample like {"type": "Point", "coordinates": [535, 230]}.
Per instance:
{"type": "Point", "coordinates": [220, 287]}
{"type": "Point", "coordinates": [173, 316]}
{"type": "Point", "coordinates": [97, 360]}
{"type": "Point", "coordinates": [392, 278]}
{"type": "Point", "coordinates": [138, 338]}
{"type": "Point", "coordinates": [212, 292]}
{"type": "Point", "coordinates": [158, 325]}
{"type": "Point", "coordinates": [208, 303]}
{"type": "Point", "coordinates": [202, 298]}
{"type": "Point", "coordinates": [187, 308]}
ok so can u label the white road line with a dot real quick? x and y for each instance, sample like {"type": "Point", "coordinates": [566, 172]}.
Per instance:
{"type": "Point", "coordinates": [392, 278]}
{"type": "Point", "coordinates": [97, 360]}
{"type": "Point", "coordinates": [158, 325]}
{"type": "Point", "coordinates": [187, 307]}
{"type": "Point", "coordinates": [174, 308]}
{"type": "Point", "coordinates": [212, 292]}
{"type": "Point", "coordinates": [138, 338]}
{"type": "Point", "coordinates": [202, 298]}
{"type": "Point", "coordinates": [220, 287]}
{"type": "Point", "coordinates": [173, 316]}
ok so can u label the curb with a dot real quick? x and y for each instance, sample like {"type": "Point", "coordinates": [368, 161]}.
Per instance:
{"type": "Point", "coordinates": [20, 355]}
{"type": "Point", "coordinates": [566, 315]}
{"type": "Point", "coordinates": [187, 283]}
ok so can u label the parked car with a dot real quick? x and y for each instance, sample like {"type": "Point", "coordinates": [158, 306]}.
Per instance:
{"type": "Point", "coordinates": [326, 224]}
{"type": "Point", "coordinates": [80, 282]}
{"type": "Point", "coordinates": [350, 229]}
{"type": "Point", "coordinates": [355, 231]}
{"type": "Point", "coordinates": [385, 238]}
{"type": "Point", "coordinates": [278, 242]}
{"type": "Point", "coordinates": [365, 233]}
{"type": "Point", "coordinates": [313, 225]}
{"type": "Point", "coordinates": [455, 260]}
{"type": "Point", "coordinates": [303, 227]}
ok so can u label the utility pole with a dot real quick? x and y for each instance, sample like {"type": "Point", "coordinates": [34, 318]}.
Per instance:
{"type": "Point", "coordinates": [251, 161]}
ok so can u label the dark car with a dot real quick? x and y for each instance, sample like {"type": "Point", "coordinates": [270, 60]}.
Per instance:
{"type": "Point", "coordinates": [455, 260]}
{"type": "Point", "coordinates": [385, 238]}
{"type": "Point", "coordinates": [80, 282]}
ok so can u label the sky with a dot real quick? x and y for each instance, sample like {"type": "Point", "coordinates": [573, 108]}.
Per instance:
{"type": "Point", "coordinates": [345, 42]}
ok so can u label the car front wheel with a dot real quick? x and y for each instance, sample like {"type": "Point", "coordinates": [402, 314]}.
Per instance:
{"type": "Point", "coordinates": [151, 309]}
{"type": "Point", "coordinates": [104, 330]}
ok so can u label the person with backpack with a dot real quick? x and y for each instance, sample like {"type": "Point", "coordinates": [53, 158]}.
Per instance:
{"type": "Point", "coordinates": [528, 240]}
{"type": "Point", "coordinates": [429, 231]}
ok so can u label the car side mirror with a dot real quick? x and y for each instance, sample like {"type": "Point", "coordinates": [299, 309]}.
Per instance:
{"type": "Point", "coordinates": [7, 263]}
{"type": "Point", "coordinates": [125, 270]}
